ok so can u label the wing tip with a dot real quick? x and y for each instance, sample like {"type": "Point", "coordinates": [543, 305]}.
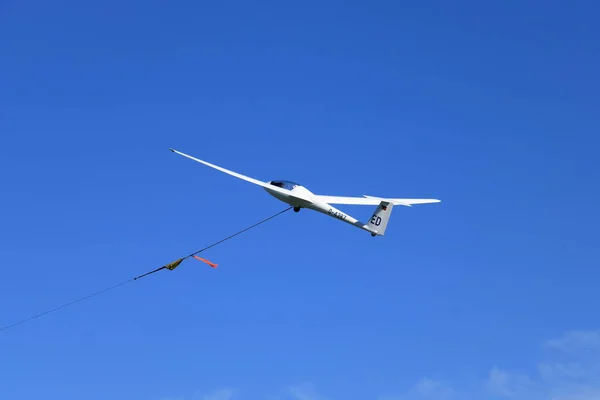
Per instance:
{"type": "Point", "coordinates": [180, 153]}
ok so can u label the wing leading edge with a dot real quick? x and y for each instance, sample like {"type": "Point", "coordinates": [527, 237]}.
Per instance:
{"type": "Point", "coordinates": [370, 200]}
{"type": "Point", "coordinates": [244, 177]}
{"type": "Point", "coordinates": [237, 175]}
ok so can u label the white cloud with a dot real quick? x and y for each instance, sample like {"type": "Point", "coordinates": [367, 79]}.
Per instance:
{"type": "Point", "coordinates": [305, 391]}
{"type": "Point", "coordinates": [426, 389]}
{"type": "Point", "coordinates": [221, 394]}
{"type": "Point", "coordinates": [509, 385]}
{"type": "Point", "coordinates": [498, 382]}
{"type": "Point", "coordinates": [569, 370]}
{"type": "Point", "coordinates": [572, 368]}
{"type": "Point", "coordinates": [431, 389]}
{"type": "Point", "coordinates": [576, 342]}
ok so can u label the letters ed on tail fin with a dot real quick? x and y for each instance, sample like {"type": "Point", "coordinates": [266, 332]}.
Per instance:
{"type": "Point", "coordinates": [380, 218]}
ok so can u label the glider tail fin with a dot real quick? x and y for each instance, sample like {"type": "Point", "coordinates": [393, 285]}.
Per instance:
{"type": "Point", "coordinates": [380, 218]}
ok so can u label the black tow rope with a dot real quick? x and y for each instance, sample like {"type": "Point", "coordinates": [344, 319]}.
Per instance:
{"type": "Point", "coordinates": [170, 266]}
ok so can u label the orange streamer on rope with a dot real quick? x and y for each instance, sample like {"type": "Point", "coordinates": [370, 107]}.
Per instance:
{"type": "Point", "coordinates": [206, 261]}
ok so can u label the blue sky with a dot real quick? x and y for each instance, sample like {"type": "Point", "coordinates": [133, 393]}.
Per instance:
{"type": "Point", "coordinates": [491, 108]}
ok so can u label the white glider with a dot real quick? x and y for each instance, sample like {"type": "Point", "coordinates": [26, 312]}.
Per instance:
{"type": "Point", "coordinates": [300, 197]}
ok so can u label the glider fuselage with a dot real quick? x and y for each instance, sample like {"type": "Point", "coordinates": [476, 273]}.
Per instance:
{"type": "Point", "coordinates": [301, 197]}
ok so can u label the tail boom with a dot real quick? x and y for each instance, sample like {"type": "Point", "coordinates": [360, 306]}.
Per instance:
{"type": "Point", "coordinates": [376, 225]}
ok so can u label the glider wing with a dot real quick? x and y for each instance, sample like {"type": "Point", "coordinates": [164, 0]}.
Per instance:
{"type": "Point", "coordinates": [237, 175]}
{"type": "Point", "coordinates": [246, 178]}
{"type": "Point", "coordinates": [370, 200]}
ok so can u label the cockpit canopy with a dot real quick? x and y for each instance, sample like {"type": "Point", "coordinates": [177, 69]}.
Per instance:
{"type": "Point", "coordinates": [285, 184]}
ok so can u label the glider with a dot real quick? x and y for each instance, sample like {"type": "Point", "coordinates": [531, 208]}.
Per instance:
{"type": "Point", "coordinates": [299, 197]}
